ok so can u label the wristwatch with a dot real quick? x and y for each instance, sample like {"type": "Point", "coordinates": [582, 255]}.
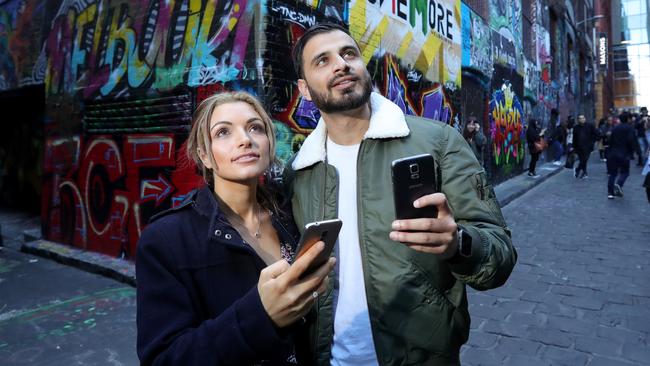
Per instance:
{"type": "Point", "coordinates": [464, 247]}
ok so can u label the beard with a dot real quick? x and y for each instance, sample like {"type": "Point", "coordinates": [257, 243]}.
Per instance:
{"type": "Point", "coordinates": [350, 99]}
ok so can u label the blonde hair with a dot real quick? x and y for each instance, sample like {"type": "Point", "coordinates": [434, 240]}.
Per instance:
{"type": "Point", "coordinates": [200, 140]}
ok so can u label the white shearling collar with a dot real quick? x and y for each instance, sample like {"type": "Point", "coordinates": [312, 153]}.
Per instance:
{"type": "Point", "coordinates": [386, 121]}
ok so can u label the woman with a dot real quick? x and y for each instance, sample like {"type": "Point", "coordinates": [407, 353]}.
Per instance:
{"type": "Point", "coordinates": [214, 282]}
{"type": "Point", "coordinates": [533, 135]}
{"type": "Point", "coordinates": [475, 138]}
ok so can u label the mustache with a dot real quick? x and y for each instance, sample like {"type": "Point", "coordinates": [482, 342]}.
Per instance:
{"type": "Point", "coordinates": [336, 79]}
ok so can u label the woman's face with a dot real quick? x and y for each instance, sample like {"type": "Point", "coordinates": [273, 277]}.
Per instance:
{"type": "Point", "coordinates": [240, 145]}
{"type": "Point", "coordinates": [471, 126]}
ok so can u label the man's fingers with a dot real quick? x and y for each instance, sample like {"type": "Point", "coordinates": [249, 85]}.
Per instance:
{"type": "Point", "coordinates": [435, 199]}
{"type": "Point", "coordinates": [422, 237]}
{"type": "Point", "coordinates": [425, 224]}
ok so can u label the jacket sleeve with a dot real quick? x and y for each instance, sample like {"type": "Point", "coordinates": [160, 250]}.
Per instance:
{"type": "Point", "coordinates": [170, 331]}
{"type": "Point", "coordinates": [476, 209]}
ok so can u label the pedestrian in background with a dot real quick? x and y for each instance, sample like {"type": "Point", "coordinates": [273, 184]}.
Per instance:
{"type": "Point", "coordinates": [646, 173]}
{"type": "Point", "coordinates": [214, 282]}
{"type": "Point", "coordinates": [475, 138]}
{"type": "Point", "coordinates": [641, 125]}
{"type": "Point", "coordinates": [622, 145]}
{"type": "Point", "coordinates": [559, 142]}
{"type": "Point", "coordinates": [604, 132]}
{"type": "Point", "coordinates": [584, 137]}
{"type": "Point", "coordinates": [534, 136]}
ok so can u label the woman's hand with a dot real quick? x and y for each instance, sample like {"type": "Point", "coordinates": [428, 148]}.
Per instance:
{"type": "Point", "coordinates": [285, 294]}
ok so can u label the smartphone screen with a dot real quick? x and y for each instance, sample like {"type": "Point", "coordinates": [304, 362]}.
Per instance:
{"type": "Point", "coordinates": [413, 177]}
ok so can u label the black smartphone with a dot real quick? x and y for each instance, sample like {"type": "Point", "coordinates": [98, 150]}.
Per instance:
{"type": "Point", "coordinates": [413, 177]}
{"type": "Point", "coordinates": [328, 232]}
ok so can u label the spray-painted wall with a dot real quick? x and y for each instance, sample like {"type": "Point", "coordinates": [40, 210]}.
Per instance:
{"type": "Point", "coordinates": [122, 80]}
{"type": "Point", "coordinates": [413, 52]}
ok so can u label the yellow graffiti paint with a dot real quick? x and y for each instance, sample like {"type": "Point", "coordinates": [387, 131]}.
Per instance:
{"type": "Point", "coordinates": [405, 45]}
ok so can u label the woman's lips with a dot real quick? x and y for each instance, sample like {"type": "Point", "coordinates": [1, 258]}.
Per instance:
{"type": "Point", "coordinates": [246, 158]}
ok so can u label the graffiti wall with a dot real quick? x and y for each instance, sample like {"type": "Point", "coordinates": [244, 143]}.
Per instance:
{"type": "Point", "coordinates": [506, 23]}
{"type": "Point", "coordinates": [477, 42]}
{"type": "Point", "coordinates": [122, 79]}
{"type": "Point", "coordinates": [285, 22]}
{"type": "Point", "coordinates": [507, 124]}
{"type": "Point", "coordinates": [413, 52]}
{"type": "Point", "coordinates": [20, 35]}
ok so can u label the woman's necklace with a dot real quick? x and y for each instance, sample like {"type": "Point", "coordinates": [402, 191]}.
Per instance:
{"type": "Point", "coordinates": [258, 233]}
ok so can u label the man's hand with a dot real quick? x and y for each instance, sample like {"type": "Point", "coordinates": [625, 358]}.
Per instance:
{"type": "Point", "coordinates": [438, 236]}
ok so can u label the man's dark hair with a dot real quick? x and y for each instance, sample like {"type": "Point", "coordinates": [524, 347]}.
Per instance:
{"type": "Point", "coordinates": [296, 53]}
{"type": "Point", "coordinates": [624, 117]}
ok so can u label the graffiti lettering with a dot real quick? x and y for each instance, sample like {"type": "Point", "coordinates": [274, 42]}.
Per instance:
{"type": "Point", "coordinates": [506, 127]}
{"type": "Point", "coordinates": [294, 16]}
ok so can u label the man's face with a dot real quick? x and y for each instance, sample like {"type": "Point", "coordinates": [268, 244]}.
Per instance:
{"type": "Point", "coordinates": [581, 119]}
{"type": "Point", "coordinates": [335, 77]}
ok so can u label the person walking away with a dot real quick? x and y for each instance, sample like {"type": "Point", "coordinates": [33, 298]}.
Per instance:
{"type": "Point", "coordinates": [622, 146]}
{"type": "Point", "coordinates": [475, 138]}
{"type": "Point", "coordinates": [534, 134]}
{"type": "Point", "coordinates": [584, 137]}
{"type": "Point", "coordinates": [604, 132]}
{"type": "Point", "coordinates": [559, 142]}
{"type": "Point", "coordinates": [398, 295]}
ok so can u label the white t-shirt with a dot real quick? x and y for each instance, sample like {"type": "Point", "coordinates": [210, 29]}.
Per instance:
{"type": "Point", "coordinates": [353, 344]}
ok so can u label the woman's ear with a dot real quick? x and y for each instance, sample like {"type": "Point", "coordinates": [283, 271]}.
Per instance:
{"type": "Point", "coordinates": [205, 159]}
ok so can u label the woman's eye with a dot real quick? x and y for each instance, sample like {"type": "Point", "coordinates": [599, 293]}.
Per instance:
{"type": "Point", "coordinates": [222, 132]}
{"type": "Point", "coordinates": [257, 128]}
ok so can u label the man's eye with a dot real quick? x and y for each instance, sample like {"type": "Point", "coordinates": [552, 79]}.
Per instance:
{"type": "Point", "coordinates": [350, 54]}
{"type": "Point", "coordinates": [321, 61]}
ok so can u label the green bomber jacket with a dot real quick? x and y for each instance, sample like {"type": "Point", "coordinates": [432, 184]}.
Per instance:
{"type": "Point", "coordinates": [417, 302]}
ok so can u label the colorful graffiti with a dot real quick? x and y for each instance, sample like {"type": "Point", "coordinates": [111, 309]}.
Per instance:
{"type": "Point", "coordinates": [287, 21]}
{"type": "Point", "coordinates": [99, 193]}
{"type": "Point", "coordinates": [19, 27]}
{"type": "Point", "coordinates": [506, 22]}
{"type": "Point", "coordinates": [506, 127]}
{"type": "Point", "coordinates": [425, 36]}
{"type": "Point", "coordinates": [477, 42]}
{"type": "Point", "coordinates": [104, 47]}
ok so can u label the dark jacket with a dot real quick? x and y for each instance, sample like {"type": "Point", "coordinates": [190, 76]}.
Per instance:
{"type": "Point", "coordinates": [622, 142]}
{"type": "Point", "coordinates": [584, 137]}
{"type": "Point", "coordinates": [532, 136]}
{"type": "Point", "coordinates": [198, 302]}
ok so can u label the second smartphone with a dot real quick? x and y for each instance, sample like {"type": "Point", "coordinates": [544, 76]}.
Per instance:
{"type": "Point", "coordinates": [413, 177]}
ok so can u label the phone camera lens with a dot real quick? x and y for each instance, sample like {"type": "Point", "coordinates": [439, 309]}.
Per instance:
{"type": "Point", "coordinates": [414, 168]}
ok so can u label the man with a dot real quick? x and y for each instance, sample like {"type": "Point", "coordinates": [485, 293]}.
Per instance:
{"type": "Point", "coordinates": [398, 292]}
{"type": "Point", "coordinates": [584, 137]}
{"type": "Point", "coordinates": [640, 127]}
{"type": "Point", "coordinates": [622, 145]}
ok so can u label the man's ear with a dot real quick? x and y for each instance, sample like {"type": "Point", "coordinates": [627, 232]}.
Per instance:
{"type": "Point", "coordinates": [304, 90]}
{"type": "Point", "coordinates": [205, 159]}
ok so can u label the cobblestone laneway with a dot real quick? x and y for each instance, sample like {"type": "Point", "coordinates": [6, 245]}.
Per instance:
{"type": "Point", "coordinates": [580, 293]}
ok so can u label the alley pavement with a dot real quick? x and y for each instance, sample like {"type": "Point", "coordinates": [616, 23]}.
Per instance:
{"type": "Point", "coordinates": [579, 294]}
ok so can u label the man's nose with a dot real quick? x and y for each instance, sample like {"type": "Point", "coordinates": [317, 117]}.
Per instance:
{"type": "Point", "coordinates": [341, 64]}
